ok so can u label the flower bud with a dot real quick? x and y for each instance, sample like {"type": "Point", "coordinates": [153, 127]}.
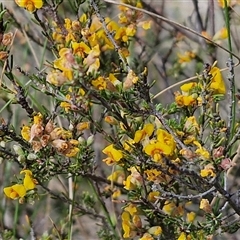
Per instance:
{"type": "Point", "coordinates": [90, 140]}
{"type": "Point", "coordinates": [83, 126]}
{"type": "Point", "coordinates": [81, 140]}
{"type": "Point", "coordinates": [218, 152]}
{"type": "Point", "coordinates": [18, 150]}
{"type": "Point", "coordinates": [32, 156]}
{"type": "Point", "coordinates": [3, 144]}
{"type": "Point", "coordinates": [70, 127]}
{"type": "Point", "coordinates": [7, 38]}
{"type": "Point", "coordinates": [111, 120]}
{"type": "Point", "coordinates": [21, 159]}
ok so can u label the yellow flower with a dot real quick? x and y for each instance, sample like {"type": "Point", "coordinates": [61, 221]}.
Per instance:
{"type": "Point", "coordinates": [68, 24]}
{"type": "Point", "coordinates": [28, 182]}
{"type": "Point", "coordinates": [155, 231]}
{"type": "Point", "coordinates": [20, 190]}
{"type": "Point", "coordinates": [152, 174]}
{"type": "Point", "coordinates": [80, 49]}
{"type": "Point", "coordinates": [185, 57]}
{"type": "Point", "coordinates": [25, 132]}
{"type": "Point", "coordinates": [153, 196]}
{"type": "Point", "coordinates": [72, 152]}
{"type": "Point", "coordinates": [65, 63]}
{"type": "Point", "coordinates": [117, 176]}
{"type": "Point", "coordinates": [188, 86]}
{"type": "Point", "coordinates": [127, 226]}
{"type": "Point", "coordinates": [56, 78]}
{"type": "Point", "coordinates": [146, 131]}
{"type": "Point", "coordinates": [167, 141]}
{"type": "Point", "coordinates": [221, 34]}
{"type": "Point", "coordinates": [30, 5]}
{"type": "Point", "coordinates": [137, 222]}
{"type": "Point", "coordinates": [208, 171]}
{"type": "Point", "coordinates": [66, 106]}
{"type": "Point", "coordinates": [131, 79]}
{"type": "Point", "coordinates": [146, 236]}
{"type": "Point", "coordinates": [217, 83]}
{"type": "Point", "coordinates": [15, 191]}
{"type": "Point", "coordinates": [201, 151]}
{"type": "Point", "coordinates": [37, 119]}
{"type": "Point", "coordinates": [133, 180]}
{"type": "Point", "coordinates": [121, 34]}
{"type": "Point", "coordinates": [165, 144]}
{"type": "Point", "coordinates": [111, 25]}
{"type": "Point", "coordinates": [191, 216]}
{"type": "Point", "coordinates": [58, 133]}
{"type": "Point", "coordinates": [155, 149]}
{"type": "Point", "coordinates": [132, 209]}
{"type": "Point", "coordinates": [92, 60]}
{"type": "Point", "coordinates": [182, 100]}
{"type": "Point", "coordinates": [83, 126]}
{"type": "Point", "coordinates": [131, 30]}
{"type": "Point", "coordinates": [191, 125]}
{"type": "Point", "coordinates": [205, 206]}
{"type": "Point", "coordinates": [145, 24]}
{"type": "Point", "coordinates": [114, 154]}
{"type": "Point", "coordinates": [99, 83]}
{"type": "Point", "coordinates": [169, 207]}
{"type": "Point", "coordinates": [222, 3]}
{"type": "Point", "coordinates": [183, 236]}
{"type": "Point", "coordinates": [116, 194]}
{"type": "Point", "coordinates": [111, 120]}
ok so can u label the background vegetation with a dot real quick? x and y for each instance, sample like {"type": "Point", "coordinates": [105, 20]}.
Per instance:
{"type": "Point", "coordinates": [116, 120]}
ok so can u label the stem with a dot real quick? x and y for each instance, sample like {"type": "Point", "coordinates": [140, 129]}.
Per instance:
{"type": "Point", "coordinates": [71, 181]}
{"type": "Point", "coordinates": [105, 210]}
{"type": "Point", "coordinates": [232, 115]}
{"type": "Point", "coordinates": [15, 219]}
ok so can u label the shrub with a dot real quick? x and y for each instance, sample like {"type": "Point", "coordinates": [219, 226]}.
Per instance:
{"type": "Point", "coordinates": [87, 136]}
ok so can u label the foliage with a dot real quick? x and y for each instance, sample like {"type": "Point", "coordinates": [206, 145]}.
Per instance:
{"type": "Point", "coordinates": [92, 124]}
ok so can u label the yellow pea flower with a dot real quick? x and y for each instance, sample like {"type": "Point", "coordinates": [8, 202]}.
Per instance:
{"type": "Point", "coordinates": [127, 226]}
{"type": "Point", "coordinates": [156, 230]}
{"type": "Point", "coordinates": [191, 216]}
{"type": "Point", "coordinates": [146, 131]}
{"type": "Point", "coordinates": [169, 207]}
{"type": "Point", "coordinates": [30, 5]}
{"type": "Point", "coordinates": [25, 132]}
{"type": "Point", "coordinates": [205, 206]}
{"type": "Point", "coordinates": [20, 190]}
{"type": "Point", "coordinates": [146, 236]}
{"type": "Point", "coordinates": [80, 49]}
{"type": "Point", "coordinates": [167, 141]}
{"type": "Point", "coordinates": [113, 153]}
{"type": "Point", "coordinates": [221, 34]}
{"type": "Point", "coordinates": [28, 181]}
{"type": "Point", "coordinates": [217, 82]}
{"type": "Point", "coordinates": [15, 191]}
{"type": "Point", "coordinates": [188, 86]}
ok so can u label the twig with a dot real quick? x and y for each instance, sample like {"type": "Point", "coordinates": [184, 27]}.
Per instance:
{"type": "Point", "coordinates": [232, 105]}
{"type": "Point", "coordinates": [165, 194]}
